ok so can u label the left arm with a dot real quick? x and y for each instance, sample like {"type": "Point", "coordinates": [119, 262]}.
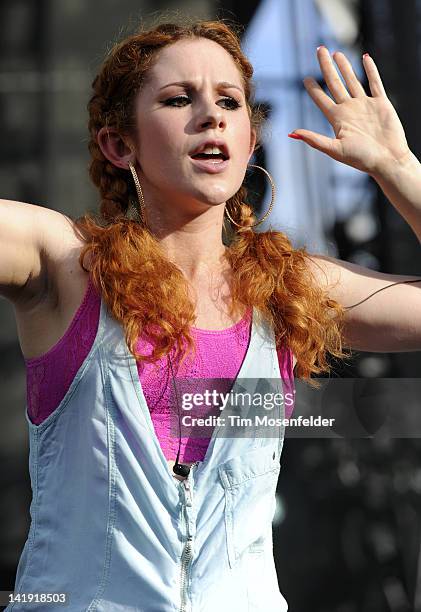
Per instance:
{"type": "Point", "coordinates": [369, 137]}
{"type": "Point", "coordinates": [389, 321]}
{"type": "Point", "coordinates": [400, 181]}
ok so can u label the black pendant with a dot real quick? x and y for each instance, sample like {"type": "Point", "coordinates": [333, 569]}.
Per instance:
{"type": "Point", "coordinates": [180, 469]}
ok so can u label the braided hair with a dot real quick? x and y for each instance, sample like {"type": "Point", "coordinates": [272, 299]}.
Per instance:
{"type": "Point", "coordinates": [148, 293]}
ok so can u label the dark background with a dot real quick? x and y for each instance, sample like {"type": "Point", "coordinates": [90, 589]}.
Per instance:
{"type": "Point", "coordinates": [347, 534]}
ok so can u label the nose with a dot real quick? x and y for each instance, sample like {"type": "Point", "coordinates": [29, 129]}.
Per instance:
{"type": "Point", "coordinates": [211, 116]}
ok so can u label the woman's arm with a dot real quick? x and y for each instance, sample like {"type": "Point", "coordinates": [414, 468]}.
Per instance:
{"type": "Point", "coordinates": [20, 249]}
{"type": "Point", "coordinates": [31, 237]}
{"type": "Point", "coordinates": [400, 181]}
{"type": "Point", "coordinates": [389, 320]}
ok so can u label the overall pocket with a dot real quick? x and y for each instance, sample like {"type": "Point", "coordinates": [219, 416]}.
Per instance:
{"type": "Point", "coordinates": [249, 482]}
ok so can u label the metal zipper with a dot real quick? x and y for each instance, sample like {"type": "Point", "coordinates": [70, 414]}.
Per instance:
{"type": "Point", "coordinates": [186, 555]}
{"type": "Point", "coordinates": [185, 559]}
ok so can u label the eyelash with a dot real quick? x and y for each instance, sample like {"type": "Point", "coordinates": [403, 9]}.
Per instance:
{"type": "Point", "coordinates": [170, 101]}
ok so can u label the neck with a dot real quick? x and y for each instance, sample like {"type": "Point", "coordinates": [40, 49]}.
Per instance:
{"type": "Point", "coordinates": [197, 255]}
{"type": "Point", "coordinates": [193, 243]}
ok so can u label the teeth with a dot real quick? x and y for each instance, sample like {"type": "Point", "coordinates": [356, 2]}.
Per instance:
{"type": "Point", "coordinates": [212, 150]}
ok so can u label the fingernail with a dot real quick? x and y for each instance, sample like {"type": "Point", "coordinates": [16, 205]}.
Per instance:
{"type": "Point", "coordinates": [321, 47]}
{"type": "Point", "coordinates": [296, 136]}
{"type": "Point", "coordinates": [366, 55]}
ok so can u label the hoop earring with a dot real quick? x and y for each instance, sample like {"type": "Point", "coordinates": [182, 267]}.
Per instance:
{"type": "Point", "coordinates": [272, 184]}
{"type": "Point", "coordinates": [132, 210]}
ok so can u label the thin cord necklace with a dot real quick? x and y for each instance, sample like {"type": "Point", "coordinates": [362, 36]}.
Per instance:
{"type": "Point", "coordinates": [178, 468]}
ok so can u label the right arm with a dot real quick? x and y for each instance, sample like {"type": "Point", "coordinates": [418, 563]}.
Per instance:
{"type": "Point", "coordinates": [30, 239]}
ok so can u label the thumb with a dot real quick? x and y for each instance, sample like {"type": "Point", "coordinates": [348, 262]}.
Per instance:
{"type": "Point", "coordinates": [330, 146]}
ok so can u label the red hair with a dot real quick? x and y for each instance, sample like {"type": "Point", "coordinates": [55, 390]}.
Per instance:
{"type": "Point", "coordinates": [148, 293]}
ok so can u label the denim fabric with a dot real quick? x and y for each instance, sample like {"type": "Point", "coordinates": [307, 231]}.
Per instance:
{"type": "Point", "coordinates": [109, 522]}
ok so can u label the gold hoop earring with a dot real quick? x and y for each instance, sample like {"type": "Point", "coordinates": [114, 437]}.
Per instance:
{"type": "Point", "coordinates": [272, 184]}
{"type": "Point", "coordinates": [132, 211]}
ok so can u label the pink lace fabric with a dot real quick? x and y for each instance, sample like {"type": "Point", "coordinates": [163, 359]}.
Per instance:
{"type": "Point", "coordinates": [219, 355]}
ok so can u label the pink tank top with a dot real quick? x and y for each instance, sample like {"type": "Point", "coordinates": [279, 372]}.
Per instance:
{"type": "Point", "coordinates": [219, 354]}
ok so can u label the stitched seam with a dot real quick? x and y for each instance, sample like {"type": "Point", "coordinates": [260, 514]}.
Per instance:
{"type": "Point", "coordinates": [34, 522]}
{"type": "Point", "coordinates": [229, 530]}
{"type": "Point", "coordinates": [112, 496]}
{"type": "Point", "coordinates": [239, 484]}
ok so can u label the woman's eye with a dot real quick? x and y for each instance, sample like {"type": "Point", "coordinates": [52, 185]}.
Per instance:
{"type": "Point", "coordinates": [180, 101]}
{"type": "Point", "coordinates": [175, 101]}
{"type": "Point", "coordinates": [232, 103]}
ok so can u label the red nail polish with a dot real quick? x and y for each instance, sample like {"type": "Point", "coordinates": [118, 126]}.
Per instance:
{"type": "Point", "coordinates": [296, 136]}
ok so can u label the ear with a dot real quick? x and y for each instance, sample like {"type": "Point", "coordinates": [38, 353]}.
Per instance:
{"type": "Point", "coordinates": [252, 142]}
{"type": "Point", "coordinates": [115, 148]}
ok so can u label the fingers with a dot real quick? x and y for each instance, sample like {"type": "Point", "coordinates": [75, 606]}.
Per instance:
{"type": "Point", "coordinates": [316, 93]}
{"type": "Point", "coordinates": [331, 76]}
{"type": "Point", "coordinates": [354, 86]}
{"type": "Point", "coordinates": [334, 83]}
{"type": "Point", "coordinates": [374, 80]}
{"type": "Point", "coordinates": [327, 145]}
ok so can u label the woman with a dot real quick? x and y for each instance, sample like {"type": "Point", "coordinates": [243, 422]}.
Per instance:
{"type": "Point", "coordinates": [118, 522]}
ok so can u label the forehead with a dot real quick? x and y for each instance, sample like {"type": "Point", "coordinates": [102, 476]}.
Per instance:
{"type": "Point", "coordinates": [194, 60]}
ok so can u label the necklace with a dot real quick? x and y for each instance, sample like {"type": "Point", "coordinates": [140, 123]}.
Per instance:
{"type": "Point", "coordinates": [179, 468]}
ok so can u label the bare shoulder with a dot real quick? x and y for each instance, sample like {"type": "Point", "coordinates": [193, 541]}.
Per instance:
{"type": "Point", "coordinates": [62, 247]}
{"type": "Point", "coordinates": [46, 311]}
{"type": "Point", "coordinates": [326, 270]}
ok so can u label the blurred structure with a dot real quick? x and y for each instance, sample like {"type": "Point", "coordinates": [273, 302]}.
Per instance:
{"type": "Point", "coordinates": [347, 530]}
{"type": "Point", "coordinates": [314, 191]}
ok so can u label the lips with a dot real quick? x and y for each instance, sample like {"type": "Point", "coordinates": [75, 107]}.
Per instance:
{"type": "Point", "coordinates": [212, 166]}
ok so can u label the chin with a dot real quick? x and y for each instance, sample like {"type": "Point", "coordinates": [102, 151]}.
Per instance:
{"type": "Point", "coordinates": [214, 201]}
{"type": "Point", "coordinates": [215, 197]}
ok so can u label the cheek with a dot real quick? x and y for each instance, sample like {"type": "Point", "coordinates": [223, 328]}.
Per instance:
{"type": "Point", "coordinates": [158, 149]}
{"type": "Point", "coordinates": [244, 138]}
{"type": "Point", "coordinates": [153, 136]}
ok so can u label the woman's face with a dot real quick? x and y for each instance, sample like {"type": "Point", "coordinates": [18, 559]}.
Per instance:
{"type": "Point", "coordinates": [193, 94]}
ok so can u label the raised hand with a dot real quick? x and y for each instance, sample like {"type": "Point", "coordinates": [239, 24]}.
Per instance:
{"type": "Point", "coordinates": [368, 132]}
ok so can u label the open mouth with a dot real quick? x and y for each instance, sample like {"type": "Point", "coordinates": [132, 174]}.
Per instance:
{"type": "Point", "coordinates": [211, 157]}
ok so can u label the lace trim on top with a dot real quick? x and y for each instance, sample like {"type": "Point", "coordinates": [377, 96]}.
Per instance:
{"type": "Point", "coordinates": [49, 376]}
{"type": "Point", "coordinates": [219, 356]}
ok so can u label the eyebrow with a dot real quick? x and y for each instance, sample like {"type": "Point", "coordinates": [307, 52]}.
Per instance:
{"type": "Point", "coordinates": [189, 84]}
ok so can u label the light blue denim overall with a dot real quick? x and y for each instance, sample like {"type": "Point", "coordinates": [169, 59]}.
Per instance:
{"type": "Point", "coordinates": [116, 532]}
